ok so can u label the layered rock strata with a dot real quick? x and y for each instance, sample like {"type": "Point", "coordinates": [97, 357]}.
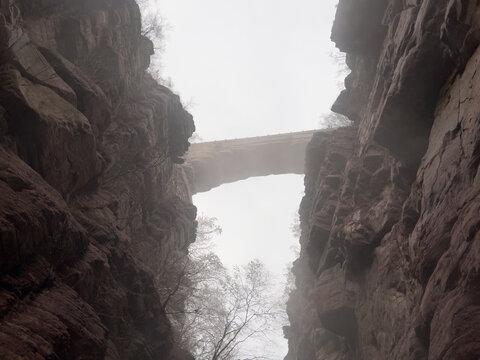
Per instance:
{"type": "Point", "coordinates": [389, 265]}
{"type": "Point", "coordinates": [88, 149]}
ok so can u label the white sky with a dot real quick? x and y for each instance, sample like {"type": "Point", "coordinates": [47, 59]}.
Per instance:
{"type": "Point", "coordinates": [255, 216]}
{"type": "Point", "coordinates": [251, 68]}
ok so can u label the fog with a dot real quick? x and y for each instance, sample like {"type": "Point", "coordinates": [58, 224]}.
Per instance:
{"type": "Point", "coordinates": [249, 68]}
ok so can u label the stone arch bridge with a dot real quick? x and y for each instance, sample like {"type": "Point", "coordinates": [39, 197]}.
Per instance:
{"type": "Point", "coordinates": [211, 164]}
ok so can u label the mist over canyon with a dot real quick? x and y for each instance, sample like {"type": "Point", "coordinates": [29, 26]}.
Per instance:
{"type": "Point", "coordinates": [98, 230]}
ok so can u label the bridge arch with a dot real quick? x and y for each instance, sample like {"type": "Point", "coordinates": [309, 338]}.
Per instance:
{"type": "Point", "coordinates": [211, 164]}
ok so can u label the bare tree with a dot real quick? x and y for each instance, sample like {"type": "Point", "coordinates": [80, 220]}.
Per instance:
{"type": "Point", "coordinates": [195, 138]}
{"type": "Point", "coordinates": [334, 120]}
{"type": "Point", "coordinates": [295, 226]}
{"type": "Point", "coordinates": [236, 309]}
{"type": "Point", "coordinates": [180, 275]}
{"type": "Point", "coordinates": [339, 60]}
{"type": "Point", "coordinates": [154, 26]}
{"type": "Point", "coordinates": [215, 312]}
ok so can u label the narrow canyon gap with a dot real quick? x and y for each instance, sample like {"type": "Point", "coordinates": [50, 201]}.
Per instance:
{"type": "Point", "coordinates": [95, 196]}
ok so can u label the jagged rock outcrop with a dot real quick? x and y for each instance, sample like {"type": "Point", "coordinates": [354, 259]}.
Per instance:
{"type": "Point", "coordinates": [211, 164]}
{"type": "Point", "coordinates": [88, 180]}
{"type": "Point", "coordinates": [389, 265]}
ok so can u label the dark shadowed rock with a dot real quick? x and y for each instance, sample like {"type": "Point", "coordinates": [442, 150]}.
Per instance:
{"type": "Point", "coordinates": [88, 146]}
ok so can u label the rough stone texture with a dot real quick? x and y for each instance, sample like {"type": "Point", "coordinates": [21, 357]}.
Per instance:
{"type": "Point", "coordinates": [389, 264]}
{"type": "Point", "coordinates": [89, 183]}
{"type": "Point", "coordinates": [211, 164]}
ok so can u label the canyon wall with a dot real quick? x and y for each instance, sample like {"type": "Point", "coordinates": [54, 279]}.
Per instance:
{"type": "Point", "coordinates": [390, 247]}
{"type": "Point", "coordinates": [92, 198]}
{"type": "Point", "coordinates": [211, 164]}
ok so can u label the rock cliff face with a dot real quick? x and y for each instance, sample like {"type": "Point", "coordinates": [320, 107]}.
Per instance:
{"type": "Point", "coordinates": [389, 265]}
{"type": "Point", "coordinates": [88, 182]}
{"type": "Point", "coordinates": [92, 201]}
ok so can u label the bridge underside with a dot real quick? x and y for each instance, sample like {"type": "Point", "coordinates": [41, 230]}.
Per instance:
{"type": "Point", "coordinates": [212, 164]}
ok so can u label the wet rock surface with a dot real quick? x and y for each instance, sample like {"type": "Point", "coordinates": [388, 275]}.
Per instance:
{"type": "Point", "coordinates": [389, 262]}
{"type": "Point", "coordinates": [88, 149]}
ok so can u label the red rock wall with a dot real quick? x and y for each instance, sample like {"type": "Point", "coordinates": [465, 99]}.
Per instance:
{"type": "Point", "coordinates": [389, 265]}
{"type": "Point", "coordinates": [88, 147]}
